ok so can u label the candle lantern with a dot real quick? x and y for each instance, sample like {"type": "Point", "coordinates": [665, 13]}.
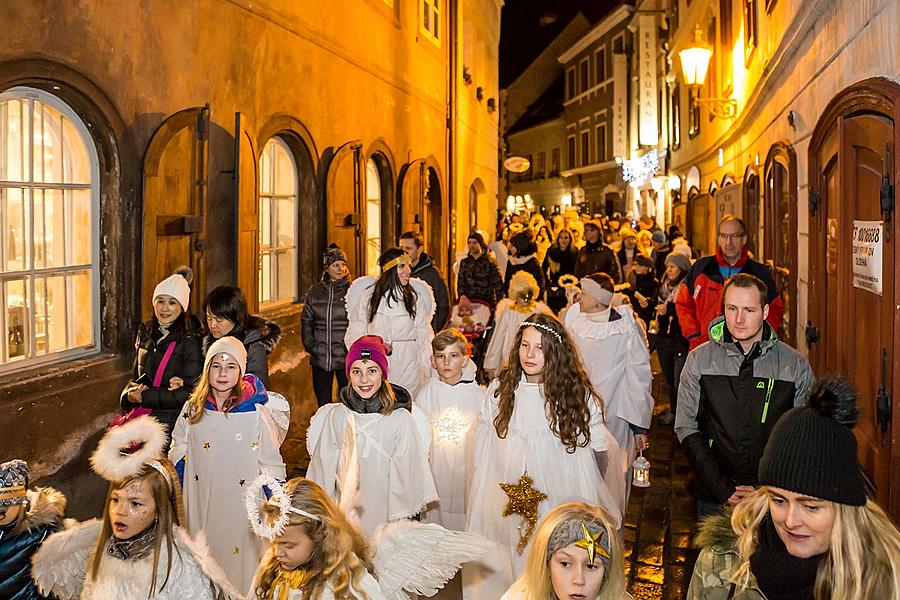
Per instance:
{"type": "Point", "coordinates": [641, 468]}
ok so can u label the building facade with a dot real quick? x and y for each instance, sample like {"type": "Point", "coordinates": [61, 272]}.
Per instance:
{"type": "Point", "coordinates": [807, 157]}
{"type": "Point", "coordinates": [236, 137]}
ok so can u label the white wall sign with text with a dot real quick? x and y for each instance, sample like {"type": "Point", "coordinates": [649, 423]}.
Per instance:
{"type": "Point", "coordinates": [867, 247]}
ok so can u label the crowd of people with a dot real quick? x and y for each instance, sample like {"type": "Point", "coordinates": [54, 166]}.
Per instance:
{"type": "Point", "coordinates": [494, 435]}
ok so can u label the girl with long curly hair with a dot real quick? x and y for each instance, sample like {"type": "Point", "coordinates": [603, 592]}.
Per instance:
{"type": "Point", "coordinates": [540, 441]}
{"type": "Point", "coordinates": [398, 308]}
{"type": "Point", "coordinates": [808, 532]}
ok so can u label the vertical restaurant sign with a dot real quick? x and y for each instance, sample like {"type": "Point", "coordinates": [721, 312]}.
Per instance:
{"type": "Point", "coordinates": [867, 248]}
{"type": "Point", "coordinates": [648, 131]}
{"type": "Point", "coordinates": [620, 104]}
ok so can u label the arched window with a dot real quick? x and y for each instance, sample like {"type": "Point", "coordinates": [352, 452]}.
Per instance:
{"type": "Point", "coordinates": [49, 221]}
{"type": "Point", "coordinates": [277, 223]}
{"type": "Point", "coordinates": [373, 217]}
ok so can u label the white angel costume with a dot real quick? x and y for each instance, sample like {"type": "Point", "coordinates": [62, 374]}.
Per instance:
{"type": "Point", "coordinates": [531, 448]}
{"type": "Point", "coordinates": [612, 348]}
{"type": "Point", "coordinates": [452, 411]}
{"type": "Point", "coordinates": [61, 568]}
{"type": "Point", "coordinates": [409, 338]}
{"type": "Point", "coordinates": [507, 319]}
{"type": "Point", "coordinates": [223, 452]}
{"type": "Point", "coordinates": [374, 465]}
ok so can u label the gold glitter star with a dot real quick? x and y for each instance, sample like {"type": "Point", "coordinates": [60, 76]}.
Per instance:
{"type": "Point", "coordinates": [196, 478]}
{"type": "Point", "coordinates": [254, 446]}
{"type": "Point", "coordinates": [235, 550]}
{"type": "Point", "coordinates": [242, 482]}
{"type": "Point", "coordinates": [523, 500]}
{"type": "Point", "coordinates": [591, 543]}
{"type": "Point", "coordinates": [206, 446]}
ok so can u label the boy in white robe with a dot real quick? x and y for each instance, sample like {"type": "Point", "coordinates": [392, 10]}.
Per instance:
{"type": "Point", "coordinates": [451, 399]}
{"type": "Point", "coordinates": [615, 355]}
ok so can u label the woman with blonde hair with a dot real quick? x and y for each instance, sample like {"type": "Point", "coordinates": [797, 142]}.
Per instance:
{"type": "Point", "coordinates": [809, 532]}
{"type": "Point", "coordinates": [576, 553]}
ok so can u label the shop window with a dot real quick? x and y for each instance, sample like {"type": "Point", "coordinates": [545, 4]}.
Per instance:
{"type": "Point", "coordinates": [430, 19]}
{"type": "Point", "coordinates": [278, 187]}
{"type": "Point", "coordinates": [49, 221]}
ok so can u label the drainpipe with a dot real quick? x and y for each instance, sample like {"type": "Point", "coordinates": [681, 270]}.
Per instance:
{"type": "Point", "coordinates": [452, 115]}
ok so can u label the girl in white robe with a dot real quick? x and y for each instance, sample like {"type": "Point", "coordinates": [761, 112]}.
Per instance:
{"type": "Point", "coordinates": [135, 552]}
{"type": "Point", "coordinates": [540, 442]}
{"type": "Point", "coordinates": [451, 400]}
{"type": "Point", "coordinates": [521, 304]}
{"type": "Point", "coordinates": [397, 308]}
{"type": "Point", "coordinates": [229, 433]}
{"type": "Point", "coordinates": [613, 350]}
{"type": "Point", "coordinates": [367, 450]}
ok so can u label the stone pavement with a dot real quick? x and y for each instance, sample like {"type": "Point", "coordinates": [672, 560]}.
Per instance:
{"type": "Point", "coordinates": [660, 523]}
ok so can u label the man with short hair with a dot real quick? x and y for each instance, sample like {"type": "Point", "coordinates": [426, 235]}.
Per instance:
{"type": "Point", "coordinates": [700, 299]}
{"type": "Point", "coordinates": [595, 256]}
{"type": "Point", "coordinates": [423, 268]}
{"type": "Point", "coordinates": [733, 389]}
{"type": "Point", "coordinates": [479, 276]}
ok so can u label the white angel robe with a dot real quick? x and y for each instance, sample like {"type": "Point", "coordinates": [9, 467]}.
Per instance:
{"type": "Point", "coordinates": [452, 411]}
{"type": "Point", "coordinates": [530, 446]}
{"type": "Point", "coordinates": [507, 319]}
{"type": "Point", "coordinates": [375, 466]}
{"type": "Point", "coordinates": [410, 339]}
{"type": "Point", "coordinates": [223, 453]}
{"type": "Point", "coordinates": [618, 363]}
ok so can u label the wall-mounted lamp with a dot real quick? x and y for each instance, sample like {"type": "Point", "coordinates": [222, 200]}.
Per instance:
{"type": "Point", "coordinates": [694, 65]}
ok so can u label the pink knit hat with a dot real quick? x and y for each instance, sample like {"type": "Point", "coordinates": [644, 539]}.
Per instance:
{"type": "Point", "coordinates": [368, 347]}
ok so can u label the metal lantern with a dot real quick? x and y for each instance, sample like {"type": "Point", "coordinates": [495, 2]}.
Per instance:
{"type": "Point", "coordinates": [641, 468]}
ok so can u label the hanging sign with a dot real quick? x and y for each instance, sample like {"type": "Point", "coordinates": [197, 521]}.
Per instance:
{"type": "Point", "coordinates": [867, 248]}
{"type": "Point", "coordinates": [647, 99]}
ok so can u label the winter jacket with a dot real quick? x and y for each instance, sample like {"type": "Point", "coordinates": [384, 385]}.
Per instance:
{"type": "Point", "coordinates": [427, 272]}
{"type": "Point", "coordinates": [728, 403]}
{"type": "Point", "coordinates": [185, 362]}
{"type": "Point", "coordinates": [646, 286]}
{"type": "Point", "coordinates": [529, 264]}
{"type": "Point", "coordinates": [700, 299]}
{"type": "Point", "coordinates": [18, 544]}
{"type": "Point", "coordinates": [597, 258]}
{"type": "Point", "coordinates": [323, 323]}
{"type": "Point", "coordinates": [717, 561]}
{"type": "Point", "coordinates": [558, 262]}
{"type": "Point", "coordinates": [479, 279]}
{"type": "Point", "coordinates": [260, 338]}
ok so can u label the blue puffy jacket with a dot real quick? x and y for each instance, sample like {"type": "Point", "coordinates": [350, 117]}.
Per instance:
{"type": "Point", "coordinates": [19, 543]}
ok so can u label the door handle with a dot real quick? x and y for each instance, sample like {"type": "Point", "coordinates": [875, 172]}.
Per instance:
{"type": "Point", "coordinates": [812, 334]}
{"type": "Point", "coordinates": [883, 407]}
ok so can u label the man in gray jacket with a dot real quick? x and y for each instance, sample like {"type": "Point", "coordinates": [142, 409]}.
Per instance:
{"type": "Point", "coordinates": [733, 389]}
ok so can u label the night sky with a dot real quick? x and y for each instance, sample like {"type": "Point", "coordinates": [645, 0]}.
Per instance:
{"type": "Point", "coordinates": [527, 26]}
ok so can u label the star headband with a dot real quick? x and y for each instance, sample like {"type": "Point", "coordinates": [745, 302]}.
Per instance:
{"type": "Point", "coordinates": [591, 536]}
{"type": "Point", "coordinates": [271, 527]}
{"type": "Point", "coordinates": [546, 328]}
{"type": "Point", "coordinates": [403, 258]}
{"type": "Point", "coordinates": [595, 290]}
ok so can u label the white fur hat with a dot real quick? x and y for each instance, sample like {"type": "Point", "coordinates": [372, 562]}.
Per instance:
{"type": "Point", "coordinates": [230, 346]}
{"type": "Point", "coordinates": [177, 285]}
{"type": "Point", "coordinates": [125, 449]}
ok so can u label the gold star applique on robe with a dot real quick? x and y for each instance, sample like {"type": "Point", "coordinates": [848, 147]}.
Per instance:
{"type": "Point", "coordinates": [523, 500]}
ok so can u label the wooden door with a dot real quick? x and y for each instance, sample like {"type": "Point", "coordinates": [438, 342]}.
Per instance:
{"type": "Point", "coordinates": [246, 207]}
{"type": "Point", "coordinates": [702, 226]}
{"type": "Point", "coordinates": [434, 211]}
{"type": "Point", "coordinates": [174, 203]}
{"type": "Point", "coordinates": [344, 196]}
{"type": "Point", "coordinates": [780, 244]}
{"type": "Point", "coordinates": [851, 159]}
{"type": "Point", "coordinates": [413, 185]}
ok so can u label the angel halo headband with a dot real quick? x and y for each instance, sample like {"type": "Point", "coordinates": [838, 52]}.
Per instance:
{"type": "Point", "coordinates": [546, 328]}
{"type": "Point", "coordinates": [403, 258]}
{"type": "Point", "coordinates": [277, 498]}
{"type": "Point", "coordinates": [592, 288]}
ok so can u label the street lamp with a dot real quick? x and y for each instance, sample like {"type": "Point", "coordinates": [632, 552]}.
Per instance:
{"type": "Point", "coordinates": [694, 65]}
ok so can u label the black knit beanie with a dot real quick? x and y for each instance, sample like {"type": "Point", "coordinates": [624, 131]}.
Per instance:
{"type": "Point", "coordinates": [812, 449]}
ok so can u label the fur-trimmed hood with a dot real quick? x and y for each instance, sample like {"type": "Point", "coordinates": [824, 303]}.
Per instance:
{"type": "Point", "coordinates": [716, 534]}
{"type": "Point", "coordinates": [46, 507]}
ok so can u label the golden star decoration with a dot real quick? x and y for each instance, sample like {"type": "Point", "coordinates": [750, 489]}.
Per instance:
{"type": "Point", "coordinates": [523, 500]}
{"type": "Point", "coordinates": [591, 543]}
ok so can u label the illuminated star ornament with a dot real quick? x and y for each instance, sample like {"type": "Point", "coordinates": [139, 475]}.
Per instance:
{"type": "Point", "coordinates": [451, 427]}
{"type": "Point", "coordinates": [592, 544]}
{"type": "Point", "coordinates": [523, 500]}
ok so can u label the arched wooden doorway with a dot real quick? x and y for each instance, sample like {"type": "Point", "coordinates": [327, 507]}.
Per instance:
{"type": "Point", "coordinates": [853, 327]}
{"type": "Point", "coordinates": [779, 248]}
{"type": "Point", "coordinates": [750, 209]}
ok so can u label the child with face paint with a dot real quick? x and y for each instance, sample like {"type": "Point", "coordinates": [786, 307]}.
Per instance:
{"type": "Point", "coordinates": [576, 555]}
{"type": "Point", "coordinates": [511, 311]}
{"type": "Point", "coordinates": [27, 517]}
{"type": "Point", "coordinates": [141, 550]}
{"type": "Point", "coordinates": [539, 442]}
{"type": "Point", "coordinates": [451, 400]}
{"type": "Point", "coordinates": [368, 451]}
{"type": "Point", "coordinates": [168, 357]}
{"type": "Point", "coordinates": [229, 433]}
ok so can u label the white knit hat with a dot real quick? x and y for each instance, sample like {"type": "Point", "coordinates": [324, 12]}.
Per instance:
{"type": "Point", "coordinates": [176, 285]}
{"type": "Point", "coordinates": [230, 346]}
